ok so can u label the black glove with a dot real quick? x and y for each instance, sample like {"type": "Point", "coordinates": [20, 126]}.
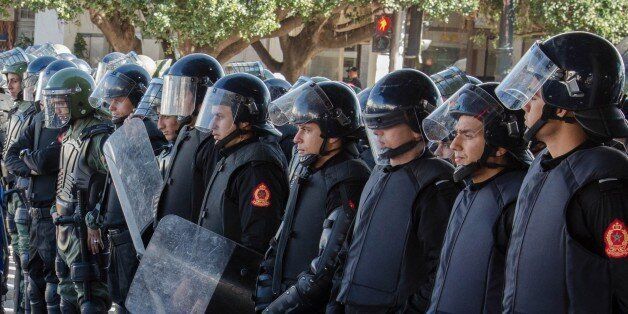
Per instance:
{"type": "Point", "coordinates": [263, 292]}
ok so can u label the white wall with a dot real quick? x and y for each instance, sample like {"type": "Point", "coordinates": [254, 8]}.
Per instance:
{"type": "Point", "coordinates": [48, 28]}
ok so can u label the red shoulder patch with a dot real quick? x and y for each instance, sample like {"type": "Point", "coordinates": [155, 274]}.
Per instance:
{"type": "Point", "coordinates": [616, 239]}
{"type": "Point", "coordinates": [351, 204]}
{"type": "Point", "coordinates": [261, 195]}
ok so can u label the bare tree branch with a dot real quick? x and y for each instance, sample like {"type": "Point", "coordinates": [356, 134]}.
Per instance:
{"type": "Point", "coordinates": [270, 62]}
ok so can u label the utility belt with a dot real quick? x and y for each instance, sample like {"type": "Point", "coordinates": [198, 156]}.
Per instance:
{"type": "Point", "coordinates": [119, 236]}
{"type": "Point", "coordinates": [39, 213]}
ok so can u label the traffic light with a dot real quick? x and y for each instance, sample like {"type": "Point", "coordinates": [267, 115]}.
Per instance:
{"type": "Point", "coordinates": [383, 34]}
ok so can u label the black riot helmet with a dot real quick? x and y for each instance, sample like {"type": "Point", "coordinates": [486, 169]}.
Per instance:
{"type": "Point", "coordinates": [30, 77]}
{"type": "Point", "coordinates": [248, 98]}
{"type": "Point", "coordinates": [576, 71]}
{"type": "Point", "coordinates": [186, 84]}
{"type": "Point", "coordinates": [332, 105]}
{"type": "Point", "coordinates": [277, 87]}
{"type": "Point", "coordinates": [47, 73]}
{"type": "Point", "coordinates": [449, 81]}
{"type": "Point", "coordinates": [127, 81]}
{"type": "Point", "coordinates": [404, 96]}
{"type": "Point", "coordinates": [501, 127]}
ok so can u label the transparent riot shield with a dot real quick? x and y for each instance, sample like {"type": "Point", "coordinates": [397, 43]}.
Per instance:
{"type": "Point", "coordinates": [135, 174]}
{"type": "Point", "coordinates": [189, 269]}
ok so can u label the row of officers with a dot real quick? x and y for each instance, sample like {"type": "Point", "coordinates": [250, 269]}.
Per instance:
{"type": "Point", "coordinates": [482, 227]}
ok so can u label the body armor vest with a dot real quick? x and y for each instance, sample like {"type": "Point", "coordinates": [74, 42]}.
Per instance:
{"type": "Point", "coordinates": [73, 169]}
{"type": "Point", "coordinates": [179, 194]}
{"type": "Point", "coordinates": [19, 120]}
{"type": "Point", "coordinates": [43, 187]}
{"type": "Point", "coordinates": [547, 271]}
{"type": "Point", "coordinates": [470, 275]}
{"type": "Point", "coordinates": [217, 214]}
{"type": "Point", "coordinates": [382, 267]}
{"type": "Point", "coordinates": [308, 214]}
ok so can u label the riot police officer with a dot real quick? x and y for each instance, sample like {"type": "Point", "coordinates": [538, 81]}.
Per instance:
{"type": "Point", "coordinates": [298, 266]}
{"type": "Point", "coordinates": [277, 88]}
{"type": "Point", "coordinates": [392, 257]}
{"type": "Point", "coordinates": [35, 154]}
{"type": "Point", "coordinates": [82, 264]}
{"type": "Point", "coordinates": [492, 158]}
{"type": "Point", "coordinates": [189, 161]}
{"type": "Point", "coordinates": [119, 92]}
{"type": "Point", "coordinates": [248, 188]}
{"type": "Point", "coordinates": [568, 247]}
{"type": "Point", "coordinates": [15, 65]}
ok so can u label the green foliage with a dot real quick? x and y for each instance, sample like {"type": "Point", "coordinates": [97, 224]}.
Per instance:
{"type": "Point", "coordinates": [23, 41]}
{"type": "Point", "coordinates": [80, 46]}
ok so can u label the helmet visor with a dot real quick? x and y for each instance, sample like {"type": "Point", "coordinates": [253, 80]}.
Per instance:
{"type": "Point", "coordinates": [30, 86]}
{"type": "Point", "coordinates": [377, 148]}
{"type": "Point", "coordinates": [304, 104]}
{"type": "Point", "coordinates": [46, 49]}
{"type": "Point", "coordinates": [112, 86]}
{"type": "Point", "coordinates": [151, 99]}
{"type": "Point", "coordinates": [56, 110]}
{"type": "Point", "coordinates": [178, 96]}
{"type": "Point", "coordinates": [526, 78]}
{"type": "Point", "coordinates": [13, 56]}
{"type": "Point", "coordinates": [220, 108]}
{"type": "Point", "coordinates": [470, 100]}
{"type": "Point", "coordinates": [129, 58]}
{"type": "Point", "coordinates": [100, 71]}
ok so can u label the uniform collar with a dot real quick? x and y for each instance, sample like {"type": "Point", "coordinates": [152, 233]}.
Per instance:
{"type": "Point", "coordinates": [549, 163]}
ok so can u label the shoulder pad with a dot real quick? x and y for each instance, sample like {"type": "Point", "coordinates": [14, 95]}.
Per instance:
{"type": "Point", "coordinates": [95, 130]}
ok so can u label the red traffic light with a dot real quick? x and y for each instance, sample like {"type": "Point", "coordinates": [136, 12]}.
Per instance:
{"type": "Point", "coordinates": [383, 25]}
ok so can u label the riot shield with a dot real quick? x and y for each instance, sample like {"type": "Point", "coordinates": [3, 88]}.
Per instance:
{"type": "Point", "coordinates": [135, 174]}
{"type": "Point", "coordinates": [189, 269]}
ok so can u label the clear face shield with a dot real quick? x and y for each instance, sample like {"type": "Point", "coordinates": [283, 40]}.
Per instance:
{"type": "Point", "coordinates": [56, 107]}
{"type": "Point", "coordinates": [29, 86]}
{"type": "Point", "coordinates": [443, 125]}
{"type": "Point", "coordinates": [13, 56]}
{"type": "Point", "coordinates": [178, 96]}
{"type": "Point", "coordinates": [112, 87]}
{"type": "Point", "coordinates": [46, 49]}
{"type": "Point", "coordinates": [219, 112]}
{"type": "Point", "coordinates": [104, 68]}
{"type": "Point", "coordinates": [151, 100]}
{"type": "Point", "coordinates": [526, 78]}
{"type": "Point", "coordinates": [306, 103]}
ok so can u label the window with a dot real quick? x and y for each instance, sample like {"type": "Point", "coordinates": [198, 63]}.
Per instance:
{"type": "Point", "coordinates": [26, 14]}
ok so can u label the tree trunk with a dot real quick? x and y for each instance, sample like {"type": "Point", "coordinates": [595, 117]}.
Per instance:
{"type": "Point", "coordinates": [120, 32]}
{"type": "Point", "coordinates": [506, 30]}
{"type": "Point", "coordinates": [471, 64]}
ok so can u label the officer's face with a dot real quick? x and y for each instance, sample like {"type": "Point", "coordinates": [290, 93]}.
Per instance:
{"type": "Point", "coordinates": [15, 84]}
{"type": "Point", "coordinates": [468, 145]}
{"type": "Point", "coordinates": [120, 107]}
{"type": "Point", "coordinates": [533, 109]}
{"type": "Point", "coordinates": [395, 136]}
{"type": "Point", "coordinates": [308, 139]}
{"type": "Point", "coordinates": [222, 122]}
{"type": "Point", "coordinates": [168, 125]}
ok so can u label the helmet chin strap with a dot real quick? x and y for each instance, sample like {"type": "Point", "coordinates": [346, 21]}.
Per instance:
{"type": "Point", "coordinates": [464, 171]}
{"type": "Point", "coordinates": [310, 159]}
{"type": "Point", "coordinates": [220, 144]}
{"type": "Point", "coordinates": [549, 113]}
{"type": "Point", "coordinates": [401, 149]}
